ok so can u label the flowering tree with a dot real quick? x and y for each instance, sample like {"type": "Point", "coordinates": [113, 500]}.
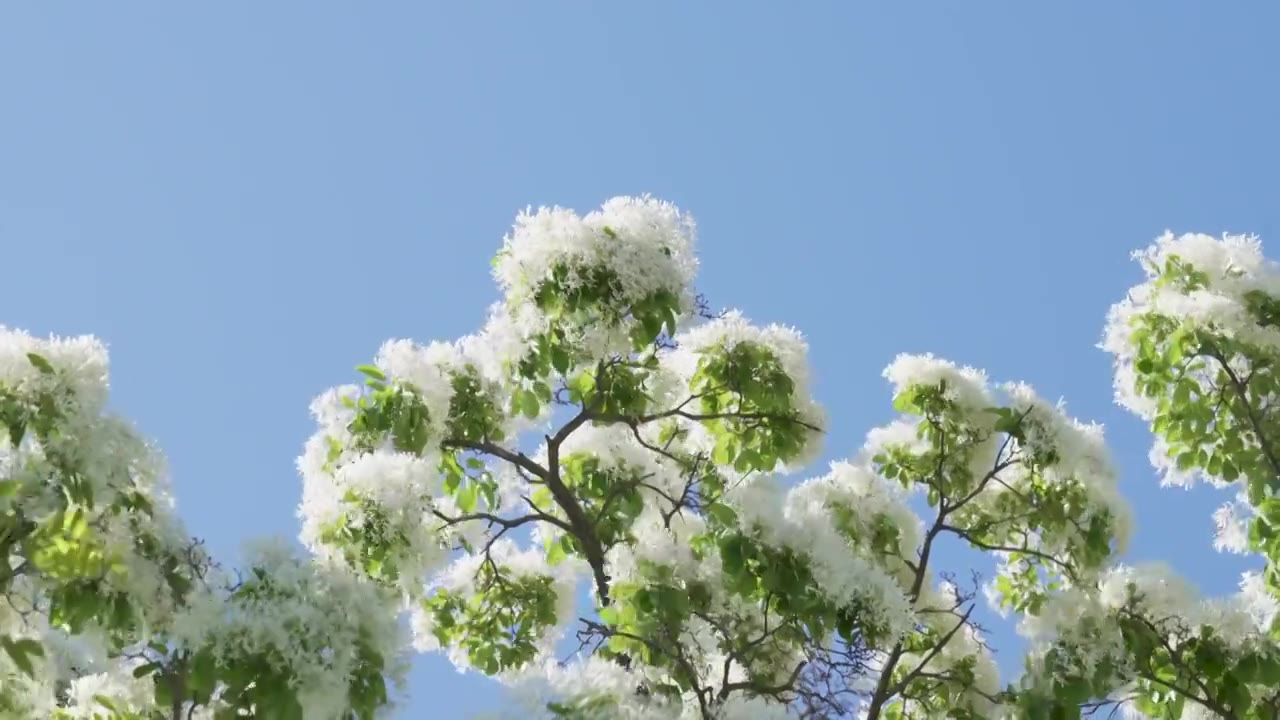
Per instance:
{"type": "Point", "coordinates": [598, 474]}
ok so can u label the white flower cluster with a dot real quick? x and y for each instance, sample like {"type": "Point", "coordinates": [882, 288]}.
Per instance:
{"type": "Point", "coordinates": [597, 689]}
{"type": "Point", "coordinates": [81, 363]}
{"type": "Point", "coordinates": [966, 389]}
{"type": "Point", "coordinates": [803, 524]}
{"type": "Point", "coordinates": [430, 370]}
{"type": "Point", "coordinates": [616, 448]}
{"type": "Point", "coordinates": [460, 578]}
{"type": "Point", "coordinates": [664, 543]}
{"type": "Point", "coordinates": [1081, 618]}
{"type": "Point", "coordinates": [624, 254]}
{"type": "Point", "coordinates": [647, 245]}
{"type": "Point", "coordinates": [323, 501]}
{"type": "Point", "coordinates": [403, 488]}
{"type": "Point", "coordinates": [307, 622]}
{"type": "Point", "coordinates": [1231, 273]}
{"type": "Point", "coordinates": [965, 386]}
{"type": "Point", "coordinates": [725, 333]}
{"type": "Point", "coordinates": [1081, 457]}
{"type": "Point", "coordinates": [866, 500]}
{"type": "Point", "coordinates": [117, 684]}
{"type": "Point", "coordinates": [938, 611]}
{"type": "Point", "coordinates": [1065, 451]}
{"type": "Point", "coordinates": [106, 451]}
{"type": "Point", "coordinates": [120, 477]}
{"type": "Point", "coordinates": [1231, 524]}
{"type": "Point", "coordinates": [72, 673]}
{"type": "Point", "coordinates": [1233, 267]}
{"type": "Point", "coordinates": [27, 695]}
{"type": "Point", "coordinates": [661, 542]}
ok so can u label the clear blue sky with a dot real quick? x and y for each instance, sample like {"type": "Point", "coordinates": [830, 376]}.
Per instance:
{"type": "Point", "coordinates": [245, 199]}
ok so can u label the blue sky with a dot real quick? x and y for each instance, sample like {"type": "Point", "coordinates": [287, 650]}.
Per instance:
{"type": "Point", "coordinates": [244, 200]}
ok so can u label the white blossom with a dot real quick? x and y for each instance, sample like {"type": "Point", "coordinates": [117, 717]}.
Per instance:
{"type": "Point", "coordinates": [966, 386]}
{"type": "Point", "coordinates": [301, 608]}
{"type": "Point", "coordinates": [1231, 525]}
{"type": "Point", "coordinates": [785, 343]}
{"type": "Point", "coordinates": [646, 243]}
{"type": "Point", "coordinates": [806, 528]}
{"type": "Point", "coordinates": [459, 578]}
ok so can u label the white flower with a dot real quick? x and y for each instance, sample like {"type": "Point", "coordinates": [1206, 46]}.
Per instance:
{"type": "Point", "coordinates": [867, 498]}
{"type": "Point", "coordinates": [647, 244]}
{"type": "Point", "coordinates": [662, 543]}
{"type": "Point", "coordinates": [582, 681]}
{"type": "Point", "coordinates": [289, 607]}
{"type": "Point", "coordinates": [459, 578]}
{"type": "Point", "coordinates": [1256, 600]}
{"type": "Point", "coordinates": [118, 685]}
{"type": "Point", "coordinates": [785, 343]}
{"type": "Point", "coordinates": [967, 386]}
{"type": "Point", "coordinates": [1231, 522]}
{"type": "Point", "coordinates": [805, 526]}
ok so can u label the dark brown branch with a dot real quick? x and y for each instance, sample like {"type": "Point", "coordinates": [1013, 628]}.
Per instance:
{"type": "Point", "coordinates": [518, 459]}
{"type": "Point", "coordinates": [1066, 568]}
{"type": "Point", "coordinates": [1255, 422]}
{"type": "Point", "coordinates": [933, 652]}
{"type": "Point", "coordinates": [505, 523]}
{"type": "Point", "coordinates": [580, 525]}
{"type": "Point", "coordinates": [645, 419]}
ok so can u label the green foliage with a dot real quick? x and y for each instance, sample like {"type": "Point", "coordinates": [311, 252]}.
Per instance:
{"type": "Point", "coordinates": [374, 546]}
{"type": "Point", "coordinates": [578, 296]}
{"type": "Point", "coordinates": [21, 651]}
{"type": "Point", "coordinates": [1211, 389]}
{"type": "Point", "coordinates": [746, 583]}
{"type": "Point", "coordinates": [499, 625]}
{"type": "Point", "coordinates": [473, 413]}
{"type": "Point", "coordinates": [60, 543]}
{"type": "Point", "coordinates": [612, 497]}
{"type": "Point", "coordinates": [391, 410]}
{"type": "Point", "coordinates": [750, 405]}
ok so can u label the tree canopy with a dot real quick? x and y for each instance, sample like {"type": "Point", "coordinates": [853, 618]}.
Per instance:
{"type": "Point", "coordinates": [609, 466]}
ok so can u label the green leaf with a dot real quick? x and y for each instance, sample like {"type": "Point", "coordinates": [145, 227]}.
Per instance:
{"type": "Point", "coordinates": [145, 670]}
{"type": "Point", "coordinates": [905, 401]}
{"type": "Point", "coordinates": [731, 555]}
{"type": "Point", "coordinates": [467, 498]}
{"type": "Point", "coordinates": [722, 454]}
{"type": "Point", "coordinates": [529, 406]}
{"type": "Point", "coordinates": [203, 678]}
{"type": "Point", "coordinates": [669, 319]}
{"type": "Point", "coordinates": [1269, 509]}
{"type": "Point", "coordinates": [560, 360]}
{"type": "Point", "coordinates": [555, 553]}
{"type": "Point", "coordinates": [583, 384]}
{"type": "Point", "coordinates": [21, 651]}
{"type": "Point", "coordinates": [17, 429]}
{"type": "Point", "coordinates": [40, 363]}
{"type": "Point", "coordinates": [723, 514]}
{"type": "Point", "coordinates": [372, 372]}
{"type": "Point", "coordinates": [542, 497]}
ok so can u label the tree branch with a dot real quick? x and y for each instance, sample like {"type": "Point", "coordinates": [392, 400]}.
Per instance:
{"type": "Point", "coordinates": [518, 459]}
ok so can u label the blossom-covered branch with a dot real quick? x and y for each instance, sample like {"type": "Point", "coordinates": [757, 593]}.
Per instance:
{"type": "Point", "coordinates": [603, 429]}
